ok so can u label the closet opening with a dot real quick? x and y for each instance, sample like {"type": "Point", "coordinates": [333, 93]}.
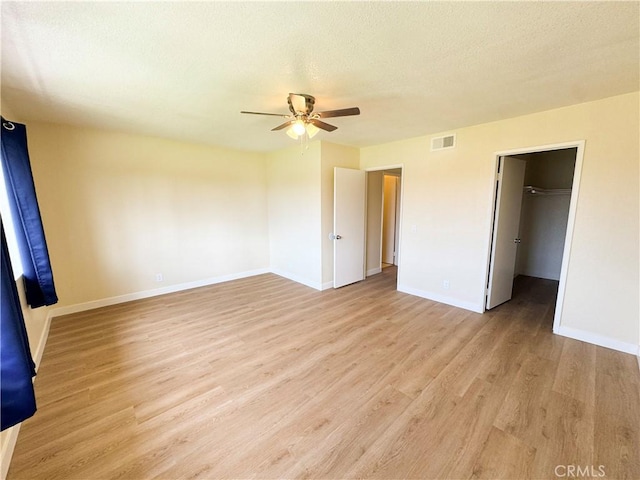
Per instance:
{"type": "Point", "coordinates": [533, 223]}
{"type": "Point", "coordinates": [544, 214]}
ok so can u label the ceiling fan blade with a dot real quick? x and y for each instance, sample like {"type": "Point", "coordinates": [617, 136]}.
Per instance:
{"type": "Point", "coordinates": [280, 127]}
{"type": "Point", "coordinates": [343, 112]}
{"type": "Point", "coordinates": [322, 125]}
{"type": "Point", "coordinates": [270, 114]}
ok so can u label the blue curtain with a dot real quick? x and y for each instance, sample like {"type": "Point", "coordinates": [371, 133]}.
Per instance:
{"type": "Point", "coordinates": [17, 369]}
{"type": "Point", "coordinates": [38, 277]}
{"type": "Point", "coordinates": [16, 365]}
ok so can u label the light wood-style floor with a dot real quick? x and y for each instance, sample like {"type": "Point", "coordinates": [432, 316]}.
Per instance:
{"type": "Point", "coordinates": [265, 378]}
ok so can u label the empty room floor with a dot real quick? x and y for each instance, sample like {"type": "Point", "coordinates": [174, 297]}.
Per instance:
{"type": "Point", "coordinates": [266, 378]}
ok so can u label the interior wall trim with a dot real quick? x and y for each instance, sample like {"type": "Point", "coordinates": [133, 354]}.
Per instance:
{"type": "Point", "coordinates": [302, 280]}
{"type": "Point", "coordinates": [8, 445]}
{"type": "Point", "coordinates": [82, 307]}
{"type": "Point", "coordinates": [373, 271]}
{"type": "Point", "coordinates": [436, 297]}
{"type": "Point", "coordinates": [596, 339]}
{"type": "Point", "coordinates": [327, 285]}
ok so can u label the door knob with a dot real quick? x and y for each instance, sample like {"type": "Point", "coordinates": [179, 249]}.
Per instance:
{"type": "Point", "coordinates": [338, 237]}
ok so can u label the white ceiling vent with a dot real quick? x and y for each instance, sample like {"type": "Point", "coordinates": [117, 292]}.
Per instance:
{"type": "Point", "coordinates": [443, 143]}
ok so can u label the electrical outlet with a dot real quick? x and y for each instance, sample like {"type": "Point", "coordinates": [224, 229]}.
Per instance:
{"type": "Point", "coordinates": [445, 284]}
{"type": "Point", "coordinates": [159, 277]}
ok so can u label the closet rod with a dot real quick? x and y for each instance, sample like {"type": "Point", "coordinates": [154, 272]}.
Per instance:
{"type": "Point", "coordinates": [531, 190]}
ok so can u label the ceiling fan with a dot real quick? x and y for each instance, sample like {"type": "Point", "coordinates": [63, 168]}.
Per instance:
{"type": "Point", "coordinates": [303, 120]}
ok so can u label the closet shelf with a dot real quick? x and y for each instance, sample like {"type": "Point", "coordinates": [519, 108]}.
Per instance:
{"type": "Point", "coordinates": [532, 190]}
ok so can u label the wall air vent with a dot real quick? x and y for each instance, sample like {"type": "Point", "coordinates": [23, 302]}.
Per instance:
{"type": "Point", "coordinates": [444, 142]}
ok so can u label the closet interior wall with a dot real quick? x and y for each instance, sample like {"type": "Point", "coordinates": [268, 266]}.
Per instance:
{"type": "Point", "coordinates": [544, 216]}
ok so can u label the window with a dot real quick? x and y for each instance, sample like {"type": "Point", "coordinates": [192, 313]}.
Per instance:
{"type": "Point", "coordinates": [7, 221]}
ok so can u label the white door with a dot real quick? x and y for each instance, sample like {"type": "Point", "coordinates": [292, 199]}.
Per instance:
{"type": "Point", "coordinates": [505, 230]}
{"type": "Point", "coordinates": [348, 226]}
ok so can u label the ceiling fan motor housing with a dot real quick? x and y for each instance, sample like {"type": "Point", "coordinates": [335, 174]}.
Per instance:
{"type": "Point", "coordinates": [309, 102]}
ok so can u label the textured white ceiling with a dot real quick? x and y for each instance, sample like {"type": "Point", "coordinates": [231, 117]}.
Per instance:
{"type": "Point", "coordinates": [184, 70]}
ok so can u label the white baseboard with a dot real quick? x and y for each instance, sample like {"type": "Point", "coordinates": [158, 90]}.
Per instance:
{"type": "Point", "coordinates": [8, 444]}
{"type": "Point", "coordinates": [436, 297]}
{"type": "Point", "coordinates": [373, 271]}
{"type": "Point", "coordinates": [327, 285]}
{"type": "Point", "coordinates": [299, 279]}
{"type": "Point", "coordinates": [599, 340]}
{"type": "Point", "coordinates": [82, 307]}
{"type": "Point", "coordinates": [37, 355]}
{"type": "Point", "coordinates": [576, 334]}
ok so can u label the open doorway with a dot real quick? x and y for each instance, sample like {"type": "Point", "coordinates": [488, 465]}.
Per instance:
{"type": "Point", "coordinates": [384, 187]}
{"type": "Point", "coordinates": [536, 194]}
{"type": "Point", "coordinates": [390, 217]}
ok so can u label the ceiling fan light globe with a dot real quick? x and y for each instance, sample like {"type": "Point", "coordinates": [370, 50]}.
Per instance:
{"type": "Point", "coordinates": [312, 130]}
{"type": "Point", "coordinates": [299, 127]}
{"type": "Point", "coordinates": [292, 133]}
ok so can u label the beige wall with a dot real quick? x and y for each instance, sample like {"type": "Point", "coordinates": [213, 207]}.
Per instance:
{"type": "Point", "coordinates": [295, 225]}
{"type": "Point", "coordinates": [448, 198]}
{"type": "Point", "coordinates": [543, 229]}
{"type": "Point", "coordinates": [332, 156]}
{"type": "Point", "coordinates": [300, 186]}
{"type": "Point", "coordinates": [119, 209]}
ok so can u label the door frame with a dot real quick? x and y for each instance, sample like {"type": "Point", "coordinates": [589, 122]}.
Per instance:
{"type": "Point", "coordinates": [398, 220]}
{"type": "Point", "coordinates": [575, 190]}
